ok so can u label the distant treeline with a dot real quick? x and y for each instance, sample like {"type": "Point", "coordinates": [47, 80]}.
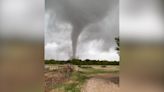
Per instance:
{"type": "Point", "coordinates": [82, 62]}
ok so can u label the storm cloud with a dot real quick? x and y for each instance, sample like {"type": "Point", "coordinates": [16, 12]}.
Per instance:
{"type": "Point", "coordinates": [72, 26]}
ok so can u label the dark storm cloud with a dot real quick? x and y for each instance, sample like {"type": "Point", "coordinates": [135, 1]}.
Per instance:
{"type": "Point", "coordinates": [80, 13]}
{"type": "Point", "coordinates": [90, 19]}
{"type": "Point", "coordinates": [105, 30]}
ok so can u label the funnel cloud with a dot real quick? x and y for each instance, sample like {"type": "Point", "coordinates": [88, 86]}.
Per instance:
{"type": "Point", "coordinates": [82, 17]}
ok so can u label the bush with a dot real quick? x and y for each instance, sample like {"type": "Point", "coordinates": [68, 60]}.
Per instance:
{"type": "Point", "coordinates": [103, 66]}
{"type": "Point", "coordinates": [85, 67]}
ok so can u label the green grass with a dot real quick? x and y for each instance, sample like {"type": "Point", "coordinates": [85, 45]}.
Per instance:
{"type": "Point", "coordinates": [72, 87]}
{"type": "Point", "coordinates": [80, 77]}
{"type": "Point", "coordinates": [77, 79]}
{"type": "Point", "coordinates": [92, 71]}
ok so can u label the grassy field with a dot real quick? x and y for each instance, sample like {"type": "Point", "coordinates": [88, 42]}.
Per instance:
{"type": "Point", "coordinates": [79, 76]}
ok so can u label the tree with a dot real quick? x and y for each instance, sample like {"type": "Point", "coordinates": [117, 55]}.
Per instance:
{"type": "Point", "coordinates": [118, 44]}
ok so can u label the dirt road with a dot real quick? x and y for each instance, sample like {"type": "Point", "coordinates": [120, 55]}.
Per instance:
{"type": "Point", "coordinates": [102, 83]}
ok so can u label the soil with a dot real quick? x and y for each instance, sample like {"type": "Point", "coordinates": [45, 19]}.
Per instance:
{"type": "Point", "coordinates": [102, 83]}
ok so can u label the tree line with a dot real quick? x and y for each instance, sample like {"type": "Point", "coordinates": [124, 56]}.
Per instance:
{"type": "Point", "coordinates": [82, 62]}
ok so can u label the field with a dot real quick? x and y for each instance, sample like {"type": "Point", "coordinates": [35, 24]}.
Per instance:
{"type": "Point", "coordinates": [82, 78]}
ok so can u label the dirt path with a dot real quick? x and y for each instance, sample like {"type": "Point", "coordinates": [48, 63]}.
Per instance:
{"type": "Point", "coordinates": [102, 83]}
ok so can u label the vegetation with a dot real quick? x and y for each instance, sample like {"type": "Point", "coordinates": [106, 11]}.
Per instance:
{"type": "Point", "coordinates": [71, 75]}
{"type": "Point", "coordinates": [77, 78]}
{"type": "Point", "coordinates": [82, 62]}
{"type": "Point", "coordinates": [117, 39]}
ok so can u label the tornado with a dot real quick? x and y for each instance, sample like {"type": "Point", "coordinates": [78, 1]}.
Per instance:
{"type": "Point", "coordinates": [80, 13]}
{"type": "Point", "coordinates": [74, 37]}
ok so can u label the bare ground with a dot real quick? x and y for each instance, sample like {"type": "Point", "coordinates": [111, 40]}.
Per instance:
{"type": "Point", "coordinates": [102, 83]}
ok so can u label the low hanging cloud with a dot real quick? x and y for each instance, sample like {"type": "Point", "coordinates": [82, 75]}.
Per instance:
{"type": "Point", "coordinates": [61, 38]}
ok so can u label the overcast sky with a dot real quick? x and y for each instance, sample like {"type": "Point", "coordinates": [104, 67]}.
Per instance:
{"type": "Point", "coordinates": [22, 19]}
{"type": "Point", "coordinates": [139, 20]}
{"type": "Point", "coordinates": [95, 41]}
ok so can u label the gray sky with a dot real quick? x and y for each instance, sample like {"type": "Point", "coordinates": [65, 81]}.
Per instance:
{"type": "Point", "coordinates": [22, 19]}
{"type": "Point", "coordinates": [99, 22]}
{"type": "Point", "coordinates": [141, 20]}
